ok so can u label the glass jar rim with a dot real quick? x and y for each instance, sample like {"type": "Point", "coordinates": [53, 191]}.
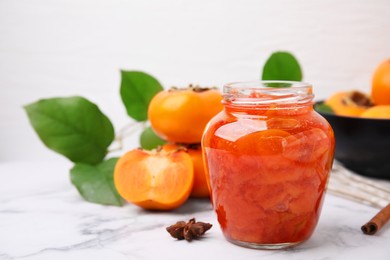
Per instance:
{"type": "Point", "coordinates": [259, 84]}
{"type": "Point", "coordinates": [264, 92]}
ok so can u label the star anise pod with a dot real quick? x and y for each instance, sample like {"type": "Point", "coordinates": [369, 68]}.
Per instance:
{"type": "Point", "coordinates": [188, 230]}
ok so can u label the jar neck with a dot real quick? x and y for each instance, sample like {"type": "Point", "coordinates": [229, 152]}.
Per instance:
{"type": "Point", "coordinates": [282, 96]}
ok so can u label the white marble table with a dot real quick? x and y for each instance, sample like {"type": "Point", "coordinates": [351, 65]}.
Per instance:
{"type": "Point", "coordinates": [43, 217]}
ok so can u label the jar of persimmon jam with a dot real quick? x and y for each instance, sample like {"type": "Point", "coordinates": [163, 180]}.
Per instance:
{"type": "Point", "coordinates": [268, 155]}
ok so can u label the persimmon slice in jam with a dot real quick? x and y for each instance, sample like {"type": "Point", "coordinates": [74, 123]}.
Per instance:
{"type": "Point", "coordinates": [267, 142]}
{"type": "Point", "coordinates": [307, 146]}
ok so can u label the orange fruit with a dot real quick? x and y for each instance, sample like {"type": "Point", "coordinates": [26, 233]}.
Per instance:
{"type": "Point", "coordinates": [155, 180]}
{"type": "Point", "coordinates": [181, 115]}
{"type": "Point", "coordinates": [380, 88]}
{"type": "Point", "coordinates": [351, 103]}
{"type": "Point", "coordinates": [200, 188]}
{"type": "Point", "coordinates": [381, 112]}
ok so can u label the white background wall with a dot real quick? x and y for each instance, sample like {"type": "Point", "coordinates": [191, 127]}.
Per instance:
{"type": "Point", "coordinates": [72, 47]}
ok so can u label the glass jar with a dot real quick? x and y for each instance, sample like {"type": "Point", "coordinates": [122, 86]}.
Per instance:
{"type": "Point", "coordinates": [268, 156]}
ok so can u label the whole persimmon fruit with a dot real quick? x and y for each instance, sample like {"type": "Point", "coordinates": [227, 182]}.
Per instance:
{"type": "Point", "coordinates": [181, 115]}
{"type": "Point", "coordinates": [154, 180]}
{"type": "Point", "coordinates": [379, 112]}
{"type": "Point", "coordinates": [380, 88]}
{"type": "Point", "coordinates": [201, 186]}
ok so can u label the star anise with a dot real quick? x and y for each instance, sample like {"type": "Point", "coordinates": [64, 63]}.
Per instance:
{"type": "Point", "coordinates": [188, 230]}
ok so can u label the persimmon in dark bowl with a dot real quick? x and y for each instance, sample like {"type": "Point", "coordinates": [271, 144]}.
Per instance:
{"type": "Point", "coordinates": [362, 144]}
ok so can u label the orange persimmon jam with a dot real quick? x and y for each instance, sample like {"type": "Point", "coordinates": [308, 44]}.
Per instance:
{"type": "Point", "coordinates": [268, 156]}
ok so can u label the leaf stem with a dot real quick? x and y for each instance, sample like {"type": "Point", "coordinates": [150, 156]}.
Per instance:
{"type": "Point", "coordinates": [126, 131]}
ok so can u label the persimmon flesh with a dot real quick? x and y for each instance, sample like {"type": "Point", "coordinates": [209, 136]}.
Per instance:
{"type": "Point", "coordinates": [349, 103]}
{"type": "Point", "coordinates": [201, 186]}
{"type": "Point", "coordinates": [378, 112]}
{"type": "Point", "coordinates": [154, 180]}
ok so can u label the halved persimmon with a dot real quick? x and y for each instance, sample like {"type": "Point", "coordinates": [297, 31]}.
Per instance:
{"type": "Point", "coordinates": [155, 180]}
{"type": "Point", "coordinates": [379, 112]}
{"type": "Point", "coordinates": [349, 103]}
{"type": "Point", "coordinates": [200, 188]}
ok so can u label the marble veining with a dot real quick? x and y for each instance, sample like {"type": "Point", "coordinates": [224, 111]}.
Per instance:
{"type": "Point", "coordinates": [43, 217]}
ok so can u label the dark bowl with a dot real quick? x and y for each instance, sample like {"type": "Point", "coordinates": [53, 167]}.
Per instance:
{"type": "Point", "coordinates": [362, 145]}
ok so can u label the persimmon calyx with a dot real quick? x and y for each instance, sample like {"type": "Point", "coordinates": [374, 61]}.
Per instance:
{"type": "Point", "coordinates": [194, 88]}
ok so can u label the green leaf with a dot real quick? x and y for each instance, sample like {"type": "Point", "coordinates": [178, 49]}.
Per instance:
{"type": "Point", "coordinates": [73, 127]}
{"type": "Point", "coordinates": [278, 84]}
{"type": "Point", "coordinates": [149, 140]}
{"type": "Point", "coordinates": [323, 108]}
{"type": "Point", "coordinates": [95, 183]}
{"type": "Point", "coordinates": [282, 66]}
{"type": "Point", "coordinates": [137, 89]}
